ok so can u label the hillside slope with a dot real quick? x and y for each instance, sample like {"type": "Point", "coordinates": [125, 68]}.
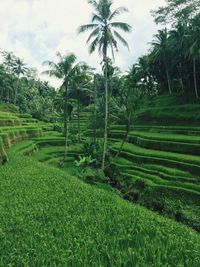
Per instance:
{"type": "Point", "coordinates": [49, 218]}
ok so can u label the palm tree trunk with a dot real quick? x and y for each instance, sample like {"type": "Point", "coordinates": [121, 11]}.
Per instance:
{"type": "Point", "coordinates": [16, 90]}
{"type": "Point", "coordinates": [106, 113]}
{"type": "Point", "coordinates": [168, 81]}
{"type": "Point", "coordinates": [181, 78]}
{"type": "Point", "coordinates": [66, 123]}
{"type": "Point", "coordinates": [195, 78]}
{"type": "Point", "coordinates": [95, 110]}
{"type": "Point", "coordinates": [8, 96]}
{"type": "Point", "coordinates": [79, 130]}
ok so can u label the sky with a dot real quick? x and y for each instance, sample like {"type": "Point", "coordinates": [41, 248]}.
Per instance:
{"type": "Point", "coordinates": [36, 29]}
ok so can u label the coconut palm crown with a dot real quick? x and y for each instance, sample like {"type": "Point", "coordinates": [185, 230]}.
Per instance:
{"type": "Point", "coordinates": [104, 33]}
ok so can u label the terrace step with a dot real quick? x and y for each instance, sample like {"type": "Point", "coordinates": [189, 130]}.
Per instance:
{"type": "Point", "coordinates": [192, 130]}
{"type": "Point", "coordinates": [143, 174]}
{"type": "Point", "coordinates": [157, 183]}
{"type": "Point", "coordinates": [171, 142]}
{"type": "Point", "coordinates": [175, 160]}
{"type": "Point", "coordinates": [162, 175]}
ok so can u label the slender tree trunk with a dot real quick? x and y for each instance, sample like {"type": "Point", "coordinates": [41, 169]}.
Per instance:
{"type": "Point", "coordinates": [16, 90]}
{"type": "Point", "coordinates": [195, 78]}
{"type": "Point", "coordinates": [124, 140]}
{"type": "Point", "coordinates": [66, 123]}
{"type": "Point", "coordinates": [8, 96]}
{"type": "Point", "coordinates": [168, 81]}
{"type": "Point", "coordinates": [95, 110]}
{"type": "Point", "coordinates": [106, 113]}
{"type": "Point", "coordinates": [181, 78]}
{"type": "Point", "coordinates": [122, 143]}
{"type": "Point", "coordinates": [79, 130]}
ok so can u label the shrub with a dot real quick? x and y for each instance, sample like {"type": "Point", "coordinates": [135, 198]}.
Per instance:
{"type": "Point", "coordinates": [92, 175]}
{"type": "Point", "coordinates": [95, 150]}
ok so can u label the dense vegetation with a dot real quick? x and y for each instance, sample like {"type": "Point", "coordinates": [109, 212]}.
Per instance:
{"type": "Point", "coordinates": [20, 85]}
{"type": "Point", "coordinates": [72, 156]}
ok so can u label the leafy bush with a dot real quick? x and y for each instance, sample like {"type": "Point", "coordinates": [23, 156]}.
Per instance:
{"type": "Point", "coordinates": [94, 149]}
{"type": "Point", "coordinates": [92, 175]}
{"type": "Point", "coordinates": [84, 161]}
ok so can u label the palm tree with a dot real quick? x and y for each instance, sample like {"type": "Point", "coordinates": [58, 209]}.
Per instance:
{"type": "Point", "coordinates": [78, 87]}
{"type": "Point", "coordinates": [9, 60]}
{"type": "Point", "coordinates": [161, 52]}
{"type": "Point", "coordinates": [8, 63]}
{"type": "Point", "coordinates": [176, 40]}
{"type": "Point", "coordinates": [193, 49]}
{"type": "Point", "coordinates": [19, 67]}
{"type": "Point", "coordinates": [104, 35]}
{"type": "Point", "coordinates": [64, 70]}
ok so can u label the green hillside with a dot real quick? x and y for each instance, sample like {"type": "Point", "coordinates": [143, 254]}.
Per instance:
{"type": "Point", "coordinates": [169, 110]}
{"type": "Point", "coordinates": [75, 224]}
{"type": "Point", "coordinates": [52, 218]}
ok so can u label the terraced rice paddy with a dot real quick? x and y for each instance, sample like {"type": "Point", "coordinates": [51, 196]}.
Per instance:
{"type": "Point", "coordinates": [50, 218]}
{"type": "Point", "coordinates": [81, 225]}
{"type": "Point", "coordinates": [166, 161]}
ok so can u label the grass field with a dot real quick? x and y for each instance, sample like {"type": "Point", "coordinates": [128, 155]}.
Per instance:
{"type": "Point", "coordinates": [52, 219]}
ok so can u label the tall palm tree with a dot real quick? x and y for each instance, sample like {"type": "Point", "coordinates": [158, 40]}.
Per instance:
{"type": "Point", "coordinates": [193, 48]}
{"type": "Point", "coordinates": [19, 67]}
{"type": "Point", "coordinates": [176, 41]}
{"type": "Point", "coordinates": [64, 70]}
{"type": "Point", "coordinates": [104, 35]}
{"type": "Point", "coordinates": [161, 52]}
{"type": "Point", "coordinates": [8, 61]}
{"type": "Point", "coordinates": [79, 87]}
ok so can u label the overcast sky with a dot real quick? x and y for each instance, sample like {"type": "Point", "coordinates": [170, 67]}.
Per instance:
{"type": "Point", "coordinates": [36, 29]}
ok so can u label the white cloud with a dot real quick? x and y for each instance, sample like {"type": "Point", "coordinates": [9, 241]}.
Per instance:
{"type": "Point", "coordinates": [36, 29]}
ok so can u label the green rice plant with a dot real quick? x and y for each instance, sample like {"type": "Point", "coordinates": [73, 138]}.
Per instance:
{"type": "Point", "coordinates": [158, 142]}
{"type": "Point", "coordinates": [184, 162]}
{"type": "Point", "coordinates": [49, 218]}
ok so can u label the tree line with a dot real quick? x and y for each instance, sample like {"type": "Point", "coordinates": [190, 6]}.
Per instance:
{"type": "Point", "coordinates": [20, 85]}
{"type": "Point", "coordinates": [171, 66]}
{"type": "Point", "coordinates": [173, 62]}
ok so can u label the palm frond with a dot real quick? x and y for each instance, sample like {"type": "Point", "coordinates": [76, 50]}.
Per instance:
{"type": "Point", "coordinates": [51, 73]}
{"type": "Point", "coordinates": [117, 12]}
{"type": "Point", "coordinates": [93, 34]}
{"type": "Point", "coordinates": [96, 18]}
{"type": "Point", "coordinates": [112, 42]}
{"type": "Point", "coordinates": [93, 2]}
{"type": "Point", "coordinates": [93, 45]}
{"type": "Point", "coordinates": [101, 42]}
{"type": "Point", "coordinates": [87, 27]}
{"type": "Point", "coordinates": [49, 63]}
{"type": "Point", "coordinates": [121, 39]}
{"type": "Point", "coordinates": [121, 25]}
{"type": "Point", "coordinates": [58, 54]}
